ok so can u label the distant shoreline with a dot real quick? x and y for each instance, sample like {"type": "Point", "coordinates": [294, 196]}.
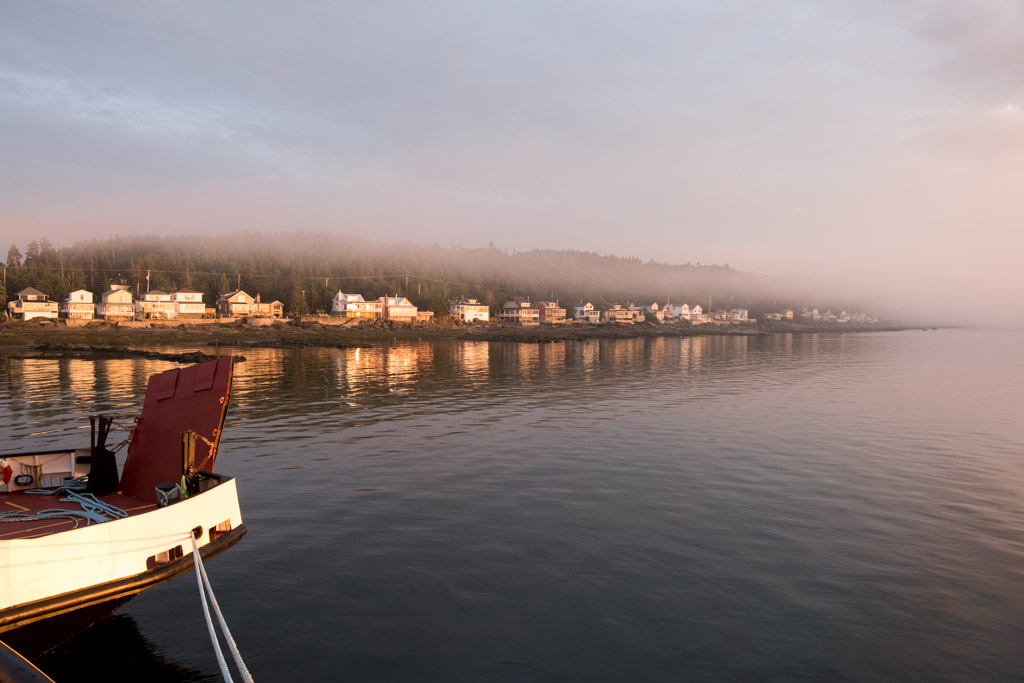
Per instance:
{"type": "Point", "coordinates": [35, 340]}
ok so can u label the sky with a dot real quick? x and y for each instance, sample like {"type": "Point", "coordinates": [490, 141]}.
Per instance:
{"type": "Point", "coordinates": [869, 145]}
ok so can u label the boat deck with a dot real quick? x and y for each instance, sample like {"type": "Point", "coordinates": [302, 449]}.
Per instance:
{"type": "Point", "coordinates": [20, 501]}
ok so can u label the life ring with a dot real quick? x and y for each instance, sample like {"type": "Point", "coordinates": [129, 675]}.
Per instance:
{"type": "Point", "coordinates": [8, 472]}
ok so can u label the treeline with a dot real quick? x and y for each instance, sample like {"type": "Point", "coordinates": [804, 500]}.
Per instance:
{"type": "Point", "coordinates": [305, 270]}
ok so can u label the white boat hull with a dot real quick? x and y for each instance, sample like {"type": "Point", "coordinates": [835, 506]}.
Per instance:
{"type": "Point", "coordinates": [90, 560]}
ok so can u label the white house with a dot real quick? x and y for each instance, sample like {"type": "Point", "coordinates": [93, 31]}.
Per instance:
{"type": "Point", "coordinates": [355, 306]}
{"type": "Point", "coordinates": [78, 306]}
{"type": "Point", "coordinates": [155, 305]}
{"type": "Point", "coordinates": [468, 310]}
{"type": "Point", "coordinates": [740, 315]}
{"type": "Point", "coordinates": [586, 312]}
{"type": "Point", "coordinates": [31, 303]}
{"type": "Point", "coordinates": [697, 314]}
{"type": "Point", "coordinates": [397, 308]}
{"type": "Point", "coordinates": [116, 304]}
{"type": "Point", "coordinates": [188, 304]}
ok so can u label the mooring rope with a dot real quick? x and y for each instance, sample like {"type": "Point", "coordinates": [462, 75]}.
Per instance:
{"type": "Point", "coordinates": [205, 587]}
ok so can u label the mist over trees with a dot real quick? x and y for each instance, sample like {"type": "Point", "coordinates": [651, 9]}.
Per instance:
{"type": "Point", "coordinates": [305, 270]}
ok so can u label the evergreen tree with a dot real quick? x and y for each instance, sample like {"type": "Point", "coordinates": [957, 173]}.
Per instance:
{"type": "Point", "coordinates": [32, 253]}
{"type": "Point", "coordinates": [298, 305]}
{"type": "Point", "coordinates": [13, 256]}
{"type": "Point", "coordinates": [47, 253]}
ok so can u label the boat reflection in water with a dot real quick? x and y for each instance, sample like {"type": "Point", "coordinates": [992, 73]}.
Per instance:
{"type": "Point", "coordinates": [138, 659]}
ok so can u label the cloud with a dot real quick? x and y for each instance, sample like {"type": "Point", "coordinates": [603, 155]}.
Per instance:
{"type": "Point", "coordinates": [125, 109]}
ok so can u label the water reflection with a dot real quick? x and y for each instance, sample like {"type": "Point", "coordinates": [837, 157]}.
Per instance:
{"type": "Point", "coordinates": [116, 650]}
{"type": "Point", "coordinates": [363, 385]}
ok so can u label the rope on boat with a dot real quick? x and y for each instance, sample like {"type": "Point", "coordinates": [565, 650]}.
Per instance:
{"type": "Point", "coordinates": [204, 587]}
{"type": "Point", "coordinates": [93, 509]}
{"type": "Point", "coordinates": [91, 503]}
{"type": "Point", "coordinates": [75, 516]}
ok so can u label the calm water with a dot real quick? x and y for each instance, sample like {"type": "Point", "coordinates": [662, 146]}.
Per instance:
{"type": "Point", "coordinates": [826, 507]}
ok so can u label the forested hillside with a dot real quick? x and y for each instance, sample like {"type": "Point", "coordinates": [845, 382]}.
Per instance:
{"type": "Point", "coordinates": [305, 270]}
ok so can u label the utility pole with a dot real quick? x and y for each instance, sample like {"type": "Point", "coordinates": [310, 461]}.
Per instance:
{"type": "Point", "coordinates": [147, 281]}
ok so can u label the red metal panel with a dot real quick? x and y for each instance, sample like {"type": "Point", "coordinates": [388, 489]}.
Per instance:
{"type": "Point", "coordinates": [205, 373]}
{"type": "Point", "coordinates": [164, 384]}
{"type": "Point", "coordinates": [154, 454]}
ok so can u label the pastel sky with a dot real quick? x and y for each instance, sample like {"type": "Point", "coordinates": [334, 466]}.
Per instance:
{"type": "Point", "coordinates": [872, 143]}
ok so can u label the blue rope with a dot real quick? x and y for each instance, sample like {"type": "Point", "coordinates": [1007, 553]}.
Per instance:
{"type": "Point", "coordinates": [93, 510]}
{"type": "Point", "coordinates": [75, 516]}
{"type": "Point", "coordinates": [91, 503]}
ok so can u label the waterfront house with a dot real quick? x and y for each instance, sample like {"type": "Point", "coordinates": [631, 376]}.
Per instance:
{"type": "Point", "coordinates": [234, 304]}
{"type": "Point", "coordinates": [549, 312]}
{"type": "Point", "coordinates": [188, 304]}
{"type": "Point", "coordinates": [116, 304]}
{"type": "Point", "coordinates": [681, 312]}
{"type": "Point", "coordinates": [78, 306]}
{"type": "Point", "coordinates": [397, 308]}
{"type": "Point", "coordinates": [520, 311]}
{"type": "Point", "coordinates": [355, 306]}
{"type": "Point", "coordinates": [586, 312]}
{"type": "Point", "coordinates": [31, 303]}
{"type": "Point", "coordinates": [259, 309]}
{"type": "Point", "coordinates": [697, 315]}
{"type": "Point", "coordinates": [654, 311]}
{"type": "Point", "coordinates": [468, 310]}
{"type": "Point", "coordinates": [155, 305]}
{"type": "Point", "coordinates": [739, 315]}
{"type": "Point", "coordinates": [618, 313]}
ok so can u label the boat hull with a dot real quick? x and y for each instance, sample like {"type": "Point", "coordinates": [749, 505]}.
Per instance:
{"type": "Point", "coordinates": [74, 578]}
{"type": "Point", "coordinates": [36, 628]}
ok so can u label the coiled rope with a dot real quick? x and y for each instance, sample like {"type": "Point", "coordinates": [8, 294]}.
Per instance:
{"type": "Point", "coordinates": [93, 509]}
{"type": "Point", "coordinates": [204, 587]}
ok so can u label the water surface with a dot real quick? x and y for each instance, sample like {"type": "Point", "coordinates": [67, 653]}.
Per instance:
{"type": "Point", "coordinates": [817, 507]}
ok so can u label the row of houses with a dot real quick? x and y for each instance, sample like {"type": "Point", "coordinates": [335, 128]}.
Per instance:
{"type": "Point", "coordinates": [395, 308]}
{"type": "Point", "coordinates": [813, 315]}
{"type": "Point", "coordinates": [521, 311]}
{"type": "Point", "coordinates": [119, 304]}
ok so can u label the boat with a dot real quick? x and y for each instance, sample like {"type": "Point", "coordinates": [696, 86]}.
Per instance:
{"type": "Point", "coordinates": [82, 533]}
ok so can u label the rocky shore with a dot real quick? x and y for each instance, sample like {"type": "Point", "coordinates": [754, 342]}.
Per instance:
{"type": "Point", "coordinates": [103, 340]}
